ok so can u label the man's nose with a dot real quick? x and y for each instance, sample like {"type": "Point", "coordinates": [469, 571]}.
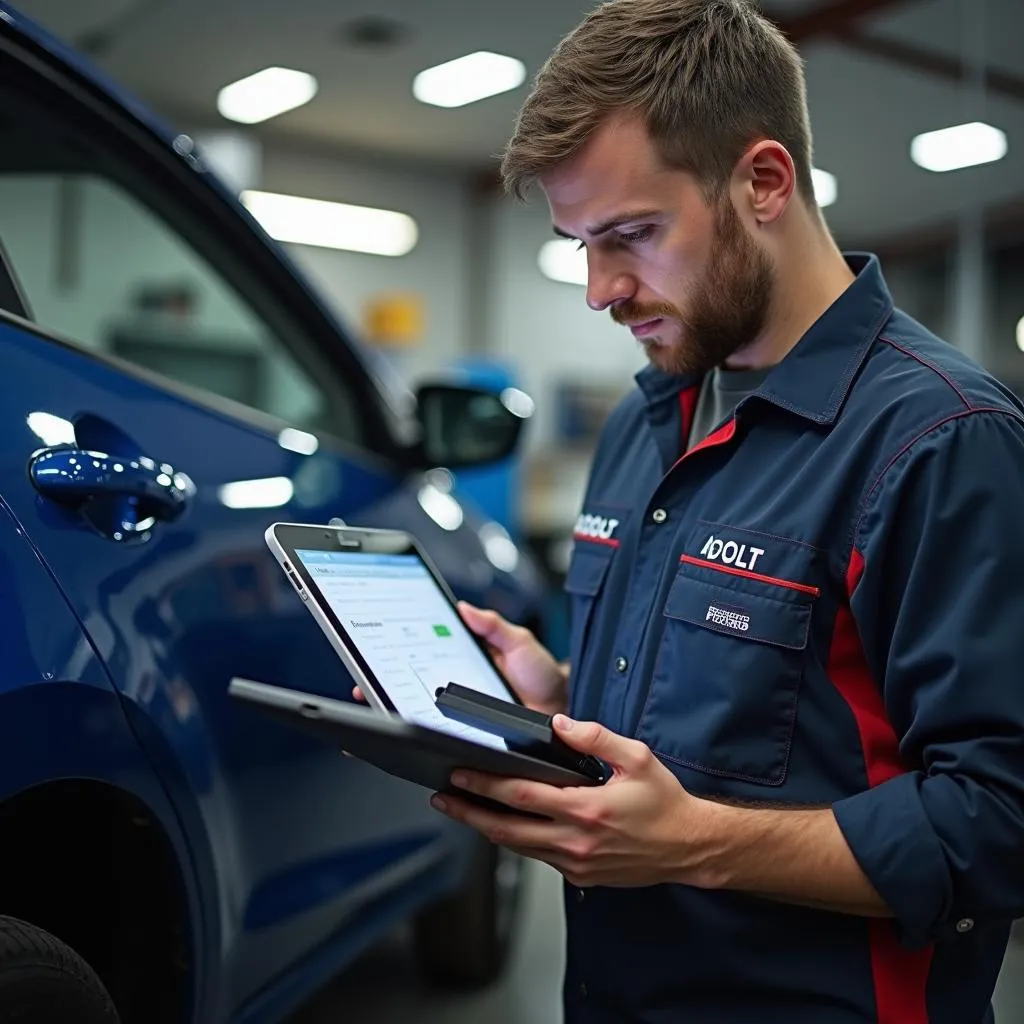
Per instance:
{"type": "Point", "coordinates": [606, 285]}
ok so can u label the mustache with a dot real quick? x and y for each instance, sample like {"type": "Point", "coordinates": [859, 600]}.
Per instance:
{"type": "Point", "coordinates": [637, 313]}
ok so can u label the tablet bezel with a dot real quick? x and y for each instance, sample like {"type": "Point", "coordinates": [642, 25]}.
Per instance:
{"type": "Point", "coordinates": [283, 540]}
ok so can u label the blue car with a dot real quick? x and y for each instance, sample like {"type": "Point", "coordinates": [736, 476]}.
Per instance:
{"type": "Point", "coordinates": [171, 385]}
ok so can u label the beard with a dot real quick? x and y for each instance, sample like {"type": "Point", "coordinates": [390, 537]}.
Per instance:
{"type": "Point", "coordinates": [727, 310]}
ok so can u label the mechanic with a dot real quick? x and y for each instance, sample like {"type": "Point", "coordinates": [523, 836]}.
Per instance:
{"type": "Point", "coordinates": [796, 634]}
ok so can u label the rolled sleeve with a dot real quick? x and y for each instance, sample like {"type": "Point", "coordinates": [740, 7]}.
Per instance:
{"type": "Point", "coordinates": [893, 841]}
{"type": "Point", "coordinates": [938, 610]}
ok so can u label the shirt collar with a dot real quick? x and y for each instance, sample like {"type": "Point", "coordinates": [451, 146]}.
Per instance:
{"type": "Point", "coordinates": [816, 375]}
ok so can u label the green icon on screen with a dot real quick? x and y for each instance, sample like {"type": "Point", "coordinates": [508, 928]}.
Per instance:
{"type": "Point", "coordinates": [442, 631]}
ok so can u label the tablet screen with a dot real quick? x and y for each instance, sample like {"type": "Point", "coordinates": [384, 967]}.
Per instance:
{"type": "Point", "coordinates": [407, 632]}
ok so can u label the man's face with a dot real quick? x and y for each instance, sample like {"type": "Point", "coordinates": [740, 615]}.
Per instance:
{"type": "Point", "coordinates": [685, 276]}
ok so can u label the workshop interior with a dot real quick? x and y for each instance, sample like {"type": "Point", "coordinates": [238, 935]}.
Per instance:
{"type": "Point", "coordinates": [288, 376]}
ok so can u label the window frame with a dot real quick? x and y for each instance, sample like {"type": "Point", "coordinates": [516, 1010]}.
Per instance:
{"type": "Point", "coordinates": [12, 294]}
{"type": "Point", "coordinates": [253, 266]}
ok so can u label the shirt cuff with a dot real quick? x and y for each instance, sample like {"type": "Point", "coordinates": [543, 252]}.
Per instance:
{"type": "Point", "coordinates": [893, 841]}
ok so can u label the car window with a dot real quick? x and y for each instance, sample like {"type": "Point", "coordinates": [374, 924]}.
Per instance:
{"type": "Point", "coordinates": [100, 259]}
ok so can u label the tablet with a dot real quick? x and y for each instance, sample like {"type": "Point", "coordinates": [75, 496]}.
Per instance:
{"type": "Point", "coordinates": [420, 755]}
{"type": "Point", "coordinates": [391, 618]}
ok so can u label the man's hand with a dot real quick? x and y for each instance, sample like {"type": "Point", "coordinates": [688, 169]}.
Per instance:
{"type": "Point", "coordinates": [640, 828]}
{"type": "Point", "coordinates": [538, 680]}
{"type": "Point", "coordinates": [643, 828]}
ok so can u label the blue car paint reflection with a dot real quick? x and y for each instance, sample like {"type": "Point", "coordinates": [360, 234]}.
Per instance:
{"type": "Point", "coordinates": [117, 652]}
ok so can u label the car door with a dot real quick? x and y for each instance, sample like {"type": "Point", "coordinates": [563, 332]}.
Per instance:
{"type": "Point", "coordinates": [167, 392]}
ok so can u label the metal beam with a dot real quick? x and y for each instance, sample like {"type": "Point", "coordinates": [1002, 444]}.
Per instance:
{"type": "Point", "coordinates": [831, 19]}
{"type": "Point", "coordinates": [839, 20]}
{"type": "Point", "coordinates": [1001, 83]}
{"type": "Point", "coordinates": [1004, 226]}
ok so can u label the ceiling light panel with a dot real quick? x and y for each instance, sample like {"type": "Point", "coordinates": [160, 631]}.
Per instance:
{"type": "Point", "coordinates": [563, 260]}
{"type": "Point", "coordinates": [332, 225]}
{"type": "Point", "coordinates": [468, 79]}
{"type": "Point", "coordinates": [266, 94]}
{"type": "Point", "coordinates": [963, 145]}
{"type": "Point", "coordinates": [826, 187]}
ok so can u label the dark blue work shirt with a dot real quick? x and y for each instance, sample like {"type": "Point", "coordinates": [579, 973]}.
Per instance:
{"type": "Point", "coordinates": [820, 605]}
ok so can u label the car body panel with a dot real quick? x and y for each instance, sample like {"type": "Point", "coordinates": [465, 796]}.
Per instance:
{"type": "Point", "coordinates": [293, 857]}
{"type": "Point", "coordinates": [61, 717]}
{"type": "Point", "coordinates": [296, 832]}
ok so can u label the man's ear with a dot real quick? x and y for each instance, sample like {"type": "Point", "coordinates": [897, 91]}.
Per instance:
{"type": "Point", "coordinates": [766, 175]}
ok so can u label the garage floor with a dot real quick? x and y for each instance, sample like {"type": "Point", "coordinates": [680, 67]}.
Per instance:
{"type": "Point", "coordinates": [383, 989]}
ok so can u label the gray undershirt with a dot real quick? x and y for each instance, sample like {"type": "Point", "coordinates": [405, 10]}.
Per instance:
{"type": "Point", "coordinates": [721, 392]}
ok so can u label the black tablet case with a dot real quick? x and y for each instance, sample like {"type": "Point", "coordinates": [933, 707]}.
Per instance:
{"type": "Point", "coordinates": [424, 756]}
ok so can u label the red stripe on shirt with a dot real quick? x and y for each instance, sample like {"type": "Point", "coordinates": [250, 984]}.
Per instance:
{"type": "Point", "coordinates": [747, 574]}
{"type": "Point", "coordinates": [722, 435]}
{"type": "Point", "coordinates": [687, 407]}
{"type": "Point", "coordinates": [900, 975]}
{"type": "Point", "coordinates": [609, 541]}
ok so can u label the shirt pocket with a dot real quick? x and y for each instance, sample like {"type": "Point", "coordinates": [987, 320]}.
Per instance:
{"type": "Point", "coordinates": [583, 583]}
{"type": "Point", "coordinates": [596, 541]}
{"type": "Point", "coordinates": [726, 681]}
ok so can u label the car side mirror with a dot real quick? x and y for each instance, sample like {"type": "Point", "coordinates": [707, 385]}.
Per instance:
{"type": "Point", "coordinates": [463, 426]}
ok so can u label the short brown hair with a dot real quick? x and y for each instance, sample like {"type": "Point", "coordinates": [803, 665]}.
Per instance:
{"type": "Point", "coordinates": [709, 77]}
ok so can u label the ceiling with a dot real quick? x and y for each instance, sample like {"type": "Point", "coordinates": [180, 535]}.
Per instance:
{"type": "Point", "coordinates": [878, 71]}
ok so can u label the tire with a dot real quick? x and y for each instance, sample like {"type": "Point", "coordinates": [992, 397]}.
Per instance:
{"type": "Point", "coordinates": [43, 981]}
{"type": "Point", "coordinates": [463, 942]}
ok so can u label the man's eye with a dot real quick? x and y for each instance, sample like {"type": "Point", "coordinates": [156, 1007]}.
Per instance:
{"type": "Point", "coordinates": [640, 235]}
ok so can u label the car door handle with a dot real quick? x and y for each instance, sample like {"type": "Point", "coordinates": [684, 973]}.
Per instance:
{"type": "Point", "coordinates": [122, 497]}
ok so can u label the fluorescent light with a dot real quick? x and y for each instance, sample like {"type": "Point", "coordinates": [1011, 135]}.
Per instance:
{"type": "Point", "coordinates": [1020, 334]}
{"type": "Point", "coordinates": [332, 225]}
{"type": "Point", "coordinates": [235, 157]}
{"type": "Point", "coordinates": [519, 403]}
{"type": "Point", "coordinates": [826, 187]}
{"type": "Point", "coordinates": [468, 79]}
{"type": "Point", "coordinates": [963, 145]}
{"type": "Point", "coordinates": [265, 94]}
{"type": "Point", "coordinates": [499, 547]}
{"type": "Point", "coordinates": [441, 507]}
{"type": "Point", "coordinates": [50, 429]}
{"type": "Point", "coordinates": [272, 492]}
{"type": "Point", "coordinates": [298, 441]}
{"type": "Point", "coordinates": [563, 260]}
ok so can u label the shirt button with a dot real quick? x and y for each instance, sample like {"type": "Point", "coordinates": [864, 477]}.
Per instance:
{"type": "Point", "coordinates": [621, 665]}
{"type": "Point", "coordinates": [659, 515]}
{"type": "Point", "coordinates": [580, 895]}
{"type": "Point", "coordinates": [964, 925]}
{"type": "Point", "coordinates": [583, 989]}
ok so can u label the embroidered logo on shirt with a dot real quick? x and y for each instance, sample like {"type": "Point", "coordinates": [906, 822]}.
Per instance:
{"type": "Point", "coordinates": [731, 553]}
{"type": "Point", "coordinates": [728, 618]}
{"type": "Point", "coordinates": [596, 527]}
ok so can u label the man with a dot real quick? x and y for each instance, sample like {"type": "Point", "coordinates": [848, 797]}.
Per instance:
{"type": "Point", "coordinates": [795, 577]}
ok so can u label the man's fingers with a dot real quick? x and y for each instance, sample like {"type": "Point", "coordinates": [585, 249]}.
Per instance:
{"type": "Point", "coordinates": [520, 794]}
{"type": "Point", "coordinates": [591, 738]}
{"type": "Point", "coordinates": [512, 830]}
{"type": "Point", "coordinates": [357, 695]}
{"type": "Point", "coordinates": [489, 626]}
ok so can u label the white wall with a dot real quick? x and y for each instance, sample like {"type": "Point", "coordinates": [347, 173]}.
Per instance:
{"type": "Point", "coordinates": [545, 326]}
{"type": "Point", "coordinates": [542, 327]}
{"type": "Point", "coordinates": [436, 269]}
{"type": "Point", "coordinates": [120, 245]}
{"type": "Point", "coordinates": [115, 247]}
